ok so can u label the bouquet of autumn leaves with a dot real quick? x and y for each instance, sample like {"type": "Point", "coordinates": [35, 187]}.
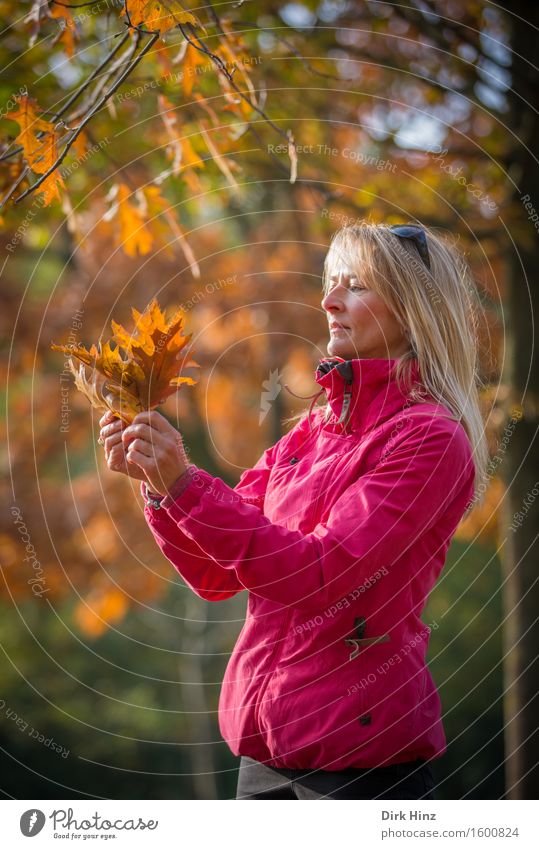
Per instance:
{"type": "Point", "coordinates": [133, 372]}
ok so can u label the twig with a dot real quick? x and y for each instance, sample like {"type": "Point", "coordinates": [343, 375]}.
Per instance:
{"type": "Point", "coordinates": [75, 94]}
{"type": "Point", "coordinates": [73, 5]}
{"type": "Point", "coordinates": [92, 77]}
{"type": "Point", "coordinates": [126, 57]}
{"type": "Point", "coordinates": [297, 53]}
{"type": "Point", "coordinates": [14, 187]}
{"type": "Point", "coordinates": [26, 170]}
{"type": "Point", "coordinates": [88, 117]}
{"type": "Point", "coordinates": [218, 61]}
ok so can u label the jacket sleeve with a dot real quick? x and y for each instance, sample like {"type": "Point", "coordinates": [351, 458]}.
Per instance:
{"type": "Point", "coordinates": [372, 524]}
{"type": "Point", "coordinates": [199, 569]}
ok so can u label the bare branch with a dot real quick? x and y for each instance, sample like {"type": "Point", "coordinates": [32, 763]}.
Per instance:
{"type": "Point", "coordinates": [120, 62]}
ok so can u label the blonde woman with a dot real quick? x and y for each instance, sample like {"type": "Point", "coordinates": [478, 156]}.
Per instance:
{"type": "Point", "coordinates": [340, 530]}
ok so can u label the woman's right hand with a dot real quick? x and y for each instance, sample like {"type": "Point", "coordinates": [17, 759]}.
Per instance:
{"type": "Point", "coordinates": [111, 434]}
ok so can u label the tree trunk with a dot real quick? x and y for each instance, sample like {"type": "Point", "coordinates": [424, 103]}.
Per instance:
{"type": "Point", "coordinates": [520, 468]}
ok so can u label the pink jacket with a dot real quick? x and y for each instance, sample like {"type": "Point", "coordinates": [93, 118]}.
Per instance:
{"type": "Point", "coordinates": [338, 535]}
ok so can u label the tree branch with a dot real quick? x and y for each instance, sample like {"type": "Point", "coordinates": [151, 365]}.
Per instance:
{"type": "Point", "coordinates": [75, 94]}
{"type": "Point", "coordinates": [221, 67]}
{"type": "Point", "coordinates": [120, 62]}
{"type": "Point", "coordinates": [88, 118]}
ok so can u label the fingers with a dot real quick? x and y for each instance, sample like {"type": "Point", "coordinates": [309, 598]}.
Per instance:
{"type": "Point", "coordinates": [153, 419]}
{"type": "Point", "coordinates": [141, 431]}
{"type": "Point", "coordinates": [111, 441]}
{"type": "Point", "coordinates": [146, 463]}
{"type": "Point", "coordinates": [116, 460]}
{"type": "Point", "coordinates": [139, 446]}
{"type": "Point", "coordinates": [113, 427]}
{"type": "Point", "coordinates": [107, 417]}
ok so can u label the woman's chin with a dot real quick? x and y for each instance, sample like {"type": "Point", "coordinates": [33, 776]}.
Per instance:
{"type": "Point", "coordinates": [341, 348]}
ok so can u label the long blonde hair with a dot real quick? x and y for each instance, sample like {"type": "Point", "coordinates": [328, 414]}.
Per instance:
{"type": "Point", "coordinates": [438, 311]}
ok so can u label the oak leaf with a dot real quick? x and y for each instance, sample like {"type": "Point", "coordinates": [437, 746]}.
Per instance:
{"type": "Point", "coordinates": [137, 370]}
{"type": "Point", "coordinates": [158, 15]}
{"type": "Point", "coordinates": [39, 142]}
{"type": "Point", "coordinates": [68, 34]}
{"type": "Point", "coordinates": [133, 236]}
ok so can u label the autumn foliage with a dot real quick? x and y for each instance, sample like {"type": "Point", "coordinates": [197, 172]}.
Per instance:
{"type": "Point", "coordinates": [136, 371]}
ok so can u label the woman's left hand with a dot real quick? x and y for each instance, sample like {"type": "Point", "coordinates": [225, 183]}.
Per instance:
{"type": "Point", "coordinates": [157, 447]}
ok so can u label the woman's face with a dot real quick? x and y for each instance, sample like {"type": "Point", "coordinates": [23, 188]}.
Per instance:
{"type": "Point", "coordinates": [360, 323]}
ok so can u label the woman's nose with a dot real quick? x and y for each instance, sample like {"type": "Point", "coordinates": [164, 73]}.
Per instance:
{"type": "Point", "coordinates": [331, 301]}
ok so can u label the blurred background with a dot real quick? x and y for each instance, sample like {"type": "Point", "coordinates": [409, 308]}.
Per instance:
{"type": "Point", "coordinates": [219, 191]}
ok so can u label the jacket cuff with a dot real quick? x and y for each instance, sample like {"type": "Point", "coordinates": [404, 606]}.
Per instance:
{"type": "Point", "coordinates": [194, 484]}
{"type": "Point", "coordinates": [179, 485]}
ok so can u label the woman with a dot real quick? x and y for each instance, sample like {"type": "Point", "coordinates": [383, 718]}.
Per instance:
{"type": "Point", "coordinates": [340, 530]}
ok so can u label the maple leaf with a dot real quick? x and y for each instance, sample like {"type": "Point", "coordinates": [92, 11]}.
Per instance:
{"type": "Point", "coordinates": [158, 15]}
{"type": "Point", "coordinates": [133, 371]}
{"type": "Point", "coordinates": [26, 116]}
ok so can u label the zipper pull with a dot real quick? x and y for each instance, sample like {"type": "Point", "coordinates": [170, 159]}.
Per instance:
{"type": "Point", "coordinates": [346, 404]}
{"type": "Point", "coordinates": [345, 369]}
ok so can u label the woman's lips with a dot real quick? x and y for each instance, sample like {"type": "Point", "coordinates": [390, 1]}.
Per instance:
{"type": "Point", "coordinates": [337, 328]}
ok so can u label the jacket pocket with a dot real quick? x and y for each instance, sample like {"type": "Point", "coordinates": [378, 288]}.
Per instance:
{"type": "Point", "coordinates": [389, 696]}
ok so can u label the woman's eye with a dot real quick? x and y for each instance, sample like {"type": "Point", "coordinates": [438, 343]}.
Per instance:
{"type": "Point", "coordinates": [356, 286]}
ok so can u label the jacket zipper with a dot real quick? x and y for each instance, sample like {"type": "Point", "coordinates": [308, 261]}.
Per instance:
{"type": "Point", "coordinates": [264, 686]}
{"type": "Point", "coordinates": [286, 621]}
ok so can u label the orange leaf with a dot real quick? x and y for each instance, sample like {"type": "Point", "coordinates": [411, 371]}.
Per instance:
{"type": "Point", "coordinates": [137, 370]}
{"type": "Point", "coordinates": [158, 15]}
{"type": "Point", "coordinates": [193, 57]}
{"type": "Point", "coordinates": [41, 150]}
{"type": "Point", "coordinates": [96, 614]}
{"type": "Point", "coordinates": [68, 30]}
{"type": "Point", "coordinates": [133, 235]}
{"type": "Point", "coordinates": [26, 116]}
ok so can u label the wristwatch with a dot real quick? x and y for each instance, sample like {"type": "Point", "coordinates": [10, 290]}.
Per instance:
{"type": "Point", "coordinates": [153, 499]}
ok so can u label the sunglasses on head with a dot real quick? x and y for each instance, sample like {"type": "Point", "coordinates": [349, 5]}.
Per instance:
{"type": "Point", "coordinates": [416, 235]}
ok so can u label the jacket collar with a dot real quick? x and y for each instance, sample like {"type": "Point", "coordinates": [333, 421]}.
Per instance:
{"type": "Point", "coordinates": [363, 392]}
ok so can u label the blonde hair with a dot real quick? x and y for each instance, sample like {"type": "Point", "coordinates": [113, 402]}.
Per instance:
{"type": "Point", "coordinates": [438, 311]}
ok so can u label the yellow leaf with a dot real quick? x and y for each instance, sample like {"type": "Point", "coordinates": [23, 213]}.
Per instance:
{"type": "Point", "coordinates": [80, 145]}
{"type": "Point", "coordinates": [190, 156]}
{"type": "Point", "coordinates": [133, 236]}
{"type": "Point", "coordinates": [26, 116]}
